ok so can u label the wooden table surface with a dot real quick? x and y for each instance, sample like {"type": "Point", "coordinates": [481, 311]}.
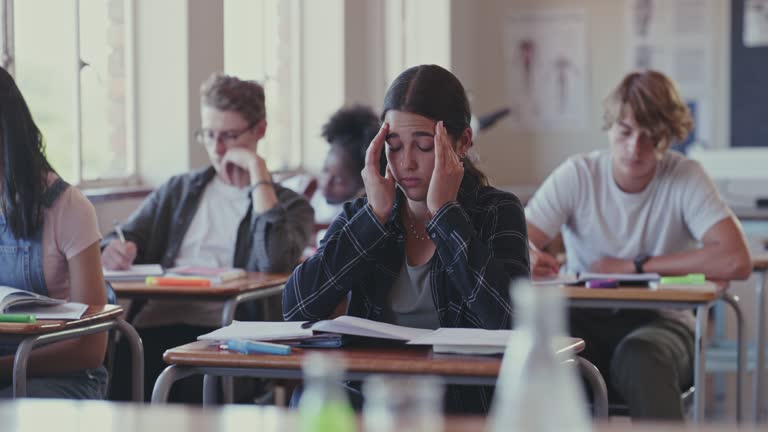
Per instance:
{"type": "Point", "coordinates": [254, 281]}
{"type": "Point", "coordinates": [36, 415]}
{"type": "Point", "coordinates": [641, 293]}
{"type": "Point", "coordinates": [396, 359]}
{"type": "Point", "coordinates": [92, 315]}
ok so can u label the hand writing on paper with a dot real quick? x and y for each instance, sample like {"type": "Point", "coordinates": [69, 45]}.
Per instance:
{"type": "Point", "coordinates": [118, 255]}
{"type": "Point", "coordinates": [612, 265]}
{"type": "Point", "coordinates": [542, 263]}
{"type": "Point", "coordinates": [447, 173]}
{"type": "Point", "coordinates": [380, 190]}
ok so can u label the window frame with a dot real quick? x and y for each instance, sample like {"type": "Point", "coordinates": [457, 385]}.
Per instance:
{"type": "Point", "coordinates": [7, 61]}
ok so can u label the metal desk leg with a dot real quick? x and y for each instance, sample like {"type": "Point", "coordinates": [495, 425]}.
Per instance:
{"type": "Point", "coordinates": [165, 381]}
{"type": "Point", "coordinates": [760, 339]}
{"type": "Point", "coordinates": [227, 383]}
{"type": "Point", "coordinates": [596, 382]}
{"type": "Point", "coordinates": [699, 379]}
{"type": "Point", "coordinates": [741, 354]}
{"type": "Point", "coordinates": [20, 367]}
{"type": "Point", "coordinates": [228, 314]}
{"type": "Point", "coordinates": [137, 358]}
{"type": "Point", "coordinates": [210, 384]}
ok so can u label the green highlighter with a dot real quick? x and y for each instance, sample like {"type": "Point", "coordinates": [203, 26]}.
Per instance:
{"type": "Point", "coordinates": [18, 318]}
{"type": "Point", "coordinates": [691, 279]}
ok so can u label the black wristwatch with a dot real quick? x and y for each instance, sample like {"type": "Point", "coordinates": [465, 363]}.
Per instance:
{"type": "Point", "coordinates": [640, 262]}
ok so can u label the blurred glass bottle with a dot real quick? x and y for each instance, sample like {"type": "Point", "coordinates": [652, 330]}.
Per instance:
{"type": "Point", "coordinates": [403, 404]}
{"type": "Point", "coordinates": [324, 405]}
{"type": "Point", "coordinates": [536, 391]}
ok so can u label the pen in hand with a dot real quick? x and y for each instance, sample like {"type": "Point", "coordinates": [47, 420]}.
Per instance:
{"type": "Point", "coordinates": [119, 231]}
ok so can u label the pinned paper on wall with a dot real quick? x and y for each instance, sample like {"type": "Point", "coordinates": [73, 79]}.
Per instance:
{"type": "Point", "coordinates": [676, 37]}
{"type": "Point", "coordinates": [547, 69]}
{"type": "Point", "coordinates": [756, 23]}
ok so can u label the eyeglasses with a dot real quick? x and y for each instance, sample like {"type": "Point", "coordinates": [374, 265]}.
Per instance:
{"type": "Point", "coordinates": [210, 137]}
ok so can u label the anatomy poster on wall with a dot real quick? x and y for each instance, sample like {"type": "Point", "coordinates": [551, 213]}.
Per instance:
{"type": "Point", "coordinates": [756, 23]}
{"type": "Point", "coordinates": [676, 38]}
{"type": "Point", "coordinates": [546, 69]}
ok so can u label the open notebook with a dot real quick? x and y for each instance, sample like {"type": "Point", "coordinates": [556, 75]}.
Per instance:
{"type": "Point", "coordinates": [625, 279]}
{"type": "Point", "coordinates": [13, 300]}
{"type": "Point", "coordinates": [446, 340]}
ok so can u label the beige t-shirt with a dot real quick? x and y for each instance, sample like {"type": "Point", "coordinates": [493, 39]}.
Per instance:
{"type": "Point", "coordinates": [69, 227]}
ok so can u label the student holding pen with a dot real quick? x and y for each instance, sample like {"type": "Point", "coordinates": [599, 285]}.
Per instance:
{"type": "Point", "coordinates": [637, 207]}
{"type": "Point", "coordinates": [50, 242]}
{"type": "Point", "coordinates": [229, 214]}
{"type": "Point", "coordinates": [431, 245]}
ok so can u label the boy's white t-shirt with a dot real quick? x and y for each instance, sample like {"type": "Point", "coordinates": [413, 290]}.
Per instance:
{"type": "Point", "coordinates": [209, 242]}
{"type": "Point", "coordinates": [598, 219]}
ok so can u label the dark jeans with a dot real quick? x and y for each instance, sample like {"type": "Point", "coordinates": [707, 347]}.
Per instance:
{"type": "Point", "coordinates": [156, 341]}
{"type": "Point", "coordinates": [85, 384]}
{"type": "Point", "coordinates": [646, 359]}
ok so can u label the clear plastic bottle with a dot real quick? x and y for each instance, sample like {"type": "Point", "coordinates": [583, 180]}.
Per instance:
{"type": "Point", "coordinates": [403, 404]}
{"type": "Point", "coordinates": [536, 391]}
{"type": "Point", "coordinates": [324, 405]}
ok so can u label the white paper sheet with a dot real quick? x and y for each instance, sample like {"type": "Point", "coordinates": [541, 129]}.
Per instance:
{"type": "Point", "coordinates": [259, 331]}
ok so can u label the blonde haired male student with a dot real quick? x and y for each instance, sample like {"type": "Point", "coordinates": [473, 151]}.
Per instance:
{"type": "Point", "coordinates": [638, 207]}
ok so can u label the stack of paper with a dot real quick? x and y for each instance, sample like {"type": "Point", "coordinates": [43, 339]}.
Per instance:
{"type": "Point", "coordinates": [259, 331]}
{"type": "Point", "coordinates": [623, 278]}
{"type": "Point", "coordinates": [477, 341]}
{"type": "Point", "coordinates": [137, 272]}
{"type": "Point", "coordinates": [355, 326]}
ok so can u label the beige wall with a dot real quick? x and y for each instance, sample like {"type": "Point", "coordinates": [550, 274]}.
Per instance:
{"type": "Point", "coordinates": [513, 158]}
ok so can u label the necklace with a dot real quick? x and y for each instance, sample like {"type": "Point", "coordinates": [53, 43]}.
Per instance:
{"type": "Point", "coordinates": [412, 227]}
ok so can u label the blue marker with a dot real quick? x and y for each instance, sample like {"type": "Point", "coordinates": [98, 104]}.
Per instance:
{"type": "Point", "coordinates": [251, 347]}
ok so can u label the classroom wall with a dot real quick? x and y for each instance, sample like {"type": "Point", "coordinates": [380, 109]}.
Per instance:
{"type": "Point", "coordinates": [179, 44]}
{"type": "Point", "coordinates": [514, 158]}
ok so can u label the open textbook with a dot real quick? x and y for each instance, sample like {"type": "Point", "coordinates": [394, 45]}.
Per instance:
{"type": "Point", "coordinates": [13, 300]}
{"type": "Point", "coordinates": [443, 340]}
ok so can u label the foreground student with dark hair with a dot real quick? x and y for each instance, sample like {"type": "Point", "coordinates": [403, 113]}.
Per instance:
{"type": "Point", "coordinates": [49, 238]}
{"type": "Point", "coordinates": [431, 245]}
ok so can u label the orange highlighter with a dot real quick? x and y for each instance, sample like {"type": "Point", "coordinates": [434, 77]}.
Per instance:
{"type": "Point", "coordinates": [178, 281]}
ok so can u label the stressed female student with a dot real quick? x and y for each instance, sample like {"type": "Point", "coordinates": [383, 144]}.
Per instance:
{"type": "Point", "coordinates": [431, 245]}
{"type": "Point", "coordinates": [49, 244]}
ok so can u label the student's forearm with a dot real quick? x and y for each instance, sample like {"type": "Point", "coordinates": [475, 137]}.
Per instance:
{"type": "Point", "coordinates": [263, 197]}
{"type": "Point", "coordinates": [715, 262]}
{"type": "Point", "coordinates": [66, 356]}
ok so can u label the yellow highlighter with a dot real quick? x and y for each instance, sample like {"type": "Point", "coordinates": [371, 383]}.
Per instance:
{"type": "Point", "coordinates": [690, 279]}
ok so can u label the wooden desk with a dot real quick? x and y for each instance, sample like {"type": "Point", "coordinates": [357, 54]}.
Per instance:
{"type": "Point", "coordinates": [77, 416]}
{"type": "Point", "coordinates": [644, 298]}
{"type": "Point", "coordinates": [205, 358]}
{"type": "Point", "coordinates": [253, 287]}
{"type": "Point", "coordinates": [95, 319]}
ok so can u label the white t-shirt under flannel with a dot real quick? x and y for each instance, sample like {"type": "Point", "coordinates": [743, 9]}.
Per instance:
{"type": "Point", "coordinates": [597, 219]}
{"type": "Point", "coordinates": [209, 242]}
